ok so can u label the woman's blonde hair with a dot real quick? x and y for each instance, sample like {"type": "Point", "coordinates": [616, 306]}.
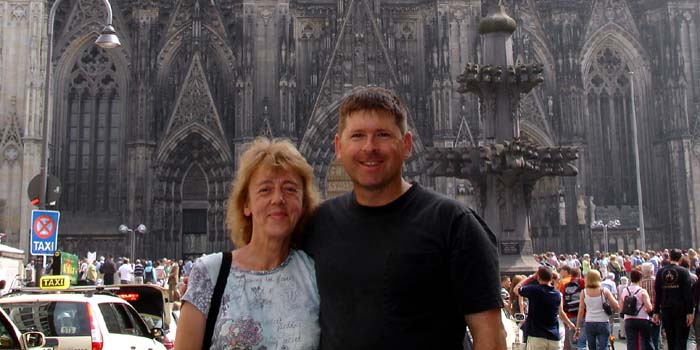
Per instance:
{"type": "Point", "coordinates": [277, 155]}
{"type": "Point", "coordinates": [593, 279]}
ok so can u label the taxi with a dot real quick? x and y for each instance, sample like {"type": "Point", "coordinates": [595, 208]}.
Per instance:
{"type": "Point", "coordinates": [12, 338]}
{"type": "Point", "coordinates": [84, 317]}
{"type": "Point", "coordinates": [153, 303]}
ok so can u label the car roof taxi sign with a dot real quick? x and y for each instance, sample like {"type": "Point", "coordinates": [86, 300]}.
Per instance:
{"type": "Point", "coordinates": [59, 282]}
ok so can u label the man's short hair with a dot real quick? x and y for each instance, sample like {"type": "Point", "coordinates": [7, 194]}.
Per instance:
{"type": "Point", "coordinates": [505, 278]}
{"type": "Point", "coordinates": [575, 272]}
{"type": "Point", "coordinates": [544, 273]}
{"type": "Point", "coordinates": [373, 98]}
{"type": "Point", "coordinates": [675, 254]}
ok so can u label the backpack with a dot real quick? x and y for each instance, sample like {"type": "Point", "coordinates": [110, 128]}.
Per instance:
{"type": "Point", "coordinates": [629, 305]}
{"type": "Point", "coordinates": [572, 296]}
{"type": "Point", "coordinates": [615, 266]}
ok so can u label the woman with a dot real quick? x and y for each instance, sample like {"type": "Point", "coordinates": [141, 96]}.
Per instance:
{"type": "Point", "coordinates": [270, 300]}
{"type": "Point", "coordinates": [517, 303]}
{"type": "Point", "coordinates": [591, 305]}
{"type": "Point", "coordinates": [637, 327]}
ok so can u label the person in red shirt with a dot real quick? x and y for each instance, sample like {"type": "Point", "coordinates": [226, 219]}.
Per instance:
{"type": "Point", "coordinates": [571, 291]}
{"type": "Point", "coordinates": [628, 265]}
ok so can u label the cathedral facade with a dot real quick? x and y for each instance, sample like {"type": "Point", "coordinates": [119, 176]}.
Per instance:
{"type": "Point", "coordinates": [150, 133]}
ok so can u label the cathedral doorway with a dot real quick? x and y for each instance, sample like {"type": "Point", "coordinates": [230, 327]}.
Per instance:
{"type": "Point", "coordinates": [194, 212]}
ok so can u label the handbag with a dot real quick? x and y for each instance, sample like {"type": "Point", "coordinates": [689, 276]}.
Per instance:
{"type": "Point", "coordinates": [606, 306]}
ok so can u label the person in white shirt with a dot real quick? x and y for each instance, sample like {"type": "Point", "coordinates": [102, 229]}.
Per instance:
{"type": "Point", "coordinates": [609, 284]}
{"type": "Point", "coordinates": [125, 272]}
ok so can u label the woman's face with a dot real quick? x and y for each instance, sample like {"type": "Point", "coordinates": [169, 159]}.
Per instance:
{"type": "Point", "coordinates": [275, 202]}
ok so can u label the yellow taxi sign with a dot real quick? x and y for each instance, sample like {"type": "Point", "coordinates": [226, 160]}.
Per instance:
{"type": "Point", "coordinates": [54, 282]}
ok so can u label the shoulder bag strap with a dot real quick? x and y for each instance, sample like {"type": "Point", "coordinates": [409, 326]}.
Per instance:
{"type": "Point", "coordinates": [216, 299]}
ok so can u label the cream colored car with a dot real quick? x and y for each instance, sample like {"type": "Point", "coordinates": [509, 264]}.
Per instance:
{"type": "Point", "coordinates": [77, 321]}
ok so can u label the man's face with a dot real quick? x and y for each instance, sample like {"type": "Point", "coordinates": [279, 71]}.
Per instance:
{"type": "Point", "coordinates": [372, 149]}
{"type": "Point", "coordinates": [505, 283]}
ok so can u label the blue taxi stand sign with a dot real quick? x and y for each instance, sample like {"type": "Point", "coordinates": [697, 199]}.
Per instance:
{"type": "Point", "coordinates": [44, 230]}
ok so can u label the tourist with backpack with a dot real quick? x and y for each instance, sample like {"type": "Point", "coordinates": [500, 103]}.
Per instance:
{"type": "Point", "coordinates": [570, 289]}
{"type": "Point", "coordinates": [636, 306]}
{"type": "Point", "coordinates": [149, 273]}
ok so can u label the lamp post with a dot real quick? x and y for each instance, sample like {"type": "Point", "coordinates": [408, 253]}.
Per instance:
{"type": "Point", "coordinates": [108, 39]}
{"type": "Point", "coordinates": [123, 229]}
{"type": "Point", "coordinates": [636, 164]}
{"type": "Point", "coordinates": [605, 226]}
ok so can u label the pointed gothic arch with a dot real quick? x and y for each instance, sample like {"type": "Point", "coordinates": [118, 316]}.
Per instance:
{"type": "Point", "coordinates": [85, 20]}
{"type": "Point", "coordinates": [608, 56]}
{"type": "Point", "coordinates": [193, 171]}
{"type": "Point", "coordinates": [174, 61]}
{"type": "Point", "coordinates": [89, 110]}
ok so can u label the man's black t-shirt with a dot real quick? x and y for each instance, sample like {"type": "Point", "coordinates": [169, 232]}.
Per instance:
{"type": "Point", "coordinates": [673, 290]}
{"type": "Point", "coordinates": [401, 276]}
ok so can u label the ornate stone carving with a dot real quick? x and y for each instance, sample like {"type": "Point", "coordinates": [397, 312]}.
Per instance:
{"type": "Point", "coordinates": [18, 13]}
{"type": "Point", "coordinates": [11, 133]}
{"type": "Point", "coordinates": [195, 104]}
{"type": "Point", "coordinates": [611, 11]}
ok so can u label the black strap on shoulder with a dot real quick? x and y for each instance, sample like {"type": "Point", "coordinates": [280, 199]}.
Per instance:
{"type": "Point", "coordinates": [216, 299]}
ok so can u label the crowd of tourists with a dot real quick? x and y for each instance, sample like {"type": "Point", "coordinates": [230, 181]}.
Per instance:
{"type": "Point", "coordinates": [573, 302]}
{"type": "Point", "coordinates": [166, 273]}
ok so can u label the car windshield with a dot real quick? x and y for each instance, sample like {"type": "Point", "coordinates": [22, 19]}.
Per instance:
{"type": "Point", "coordinates": [53, 318]}
{"type": "Point", "coordinates": [152, 321]}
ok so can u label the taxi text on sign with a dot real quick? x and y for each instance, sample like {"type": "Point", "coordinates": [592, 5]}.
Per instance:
{"type": "Point", "coordinates": [54, 282]}
{"type": "Point", "coordinates": [44, 232]}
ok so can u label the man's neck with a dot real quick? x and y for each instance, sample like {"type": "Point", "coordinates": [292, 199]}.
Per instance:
{"type": "Point", "coordinates": [379, 197]}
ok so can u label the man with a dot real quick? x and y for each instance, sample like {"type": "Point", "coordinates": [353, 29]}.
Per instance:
{"type": "Point", "coordinates": [545, 308]}
{"type": "Point", "coordinates": [187, 268]}
{"type": "Point", "coordinates": [674, 302]}
{"type": "Point", "coordinates": [609, 284]}
{"type": "Point", "coordinates": [647, 283]}
{"type": "Point", "coordinates": [91, 273]}
{"type": "Point", "coordinates": [108, 269]}
{"type": "Point", "coordinates": [398, 266]}
{"type": "Point", "coordinates": [138, 272]}
{"type": "Point", "coordinates": [30, 274]}
{"type": "Point", "coordinates": [126, 272]}
{"type": "Point", "coordinates": [505, 289]}
{"type": "Point", "coordinates": [571, 293]}
{"type": "Point", "coordinates": [173, 280]}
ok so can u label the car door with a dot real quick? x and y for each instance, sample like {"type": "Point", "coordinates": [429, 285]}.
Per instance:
{"type": "Point", "coordinates": [8, 336]}
{"type": "Point", "coordinates": [126, 331]}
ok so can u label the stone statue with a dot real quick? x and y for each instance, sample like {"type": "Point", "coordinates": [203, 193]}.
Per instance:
{"type": "Point", "coordinates": [581, 210]}
{"type": "Point", "coordinates": [592, 207]}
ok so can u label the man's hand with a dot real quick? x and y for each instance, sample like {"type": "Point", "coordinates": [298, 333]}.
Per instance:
{"type": "Point", "coordinates": [689, 320]}
{"type": "Point", "coordinates": [487, 330]}
{"type": "Point", "coordinates": [655, 319]}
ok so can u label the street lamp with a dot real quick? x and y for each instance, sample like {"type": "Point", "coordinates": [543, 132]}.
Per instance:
{"type": "Point", "coordinates": [636, 164]}
{"type": "Point", "coordinates": [108, 39]}
{"type": "Point", "coordinates": [123, 229]}
{"type": "Point", "coordinates": [610, 224]}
